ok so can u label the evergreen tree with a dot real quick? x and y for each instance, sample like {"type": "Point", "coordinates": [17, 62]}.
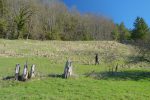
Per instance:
{"type": "Point", "coordinates": [115, 33]}
{"type": "Point", "coordinates": [124, 32]}
{"type": "Point", "coordinates": [140, 29]}
{"type": "Point", "coordinates": [121, 32]}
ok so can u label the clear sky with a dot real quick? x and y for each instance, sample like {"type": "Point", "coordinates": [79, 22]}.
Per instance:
{"type": "Point", "coordinates": [117, 10]}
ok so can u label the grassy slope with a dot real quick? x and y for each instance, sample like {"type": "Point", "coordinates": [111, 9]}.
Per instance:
{"type": "Point", "coordinates": [80, 87]}
{"type": "Point", "coordinates": [57, 52]}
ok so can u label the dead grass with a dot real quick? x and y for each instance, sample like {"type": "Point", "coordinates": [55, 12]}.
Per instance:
{"type": "Point", "coordinates": [58, 51]}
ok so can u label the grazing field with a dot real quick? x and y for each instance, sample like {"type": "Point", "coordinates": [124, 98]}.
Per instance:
{"type": "Point", "coordinates": [90, 82]}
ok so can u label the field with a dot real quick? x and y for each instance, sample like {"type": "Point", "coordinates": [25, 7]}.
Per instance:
{"type": "Point", "coordinates": [90, 82]}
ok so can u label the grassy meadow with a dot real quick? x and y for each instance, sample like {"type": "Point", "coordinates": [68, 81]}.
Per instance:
{"type": "Point", "coordinates": [90, 82]}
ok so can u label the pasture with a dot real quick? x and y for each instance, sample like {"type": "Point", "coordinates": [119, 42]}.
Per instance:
{"type": "Point", "coordinates": [90, 82]}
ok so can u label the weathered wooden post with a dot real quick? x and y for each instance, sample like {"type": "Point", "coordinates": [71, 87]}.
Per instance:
{"type": "Point", "coordinates": [32, 71]}
{"type": "Point", "coordinates": [25, 73]}
{"type": "Point", "coordinates": [17, 71]}
{"type": "Point", "coordinates": [68, 69]}
{"type": "Point", "coordinates": [96, 59]}
{"type": "Point", "coordinates": [116, 69]}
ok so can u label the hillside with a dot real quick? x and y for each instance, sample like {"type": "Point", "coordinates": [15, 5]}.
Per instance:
{"type": "Point", "coordinates": [96, 82]}
{"type": "Point", "coordinates": [59, 51]}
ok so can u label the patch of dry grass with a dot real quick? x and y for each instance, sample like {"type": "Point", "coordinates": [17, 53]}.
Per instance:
{"type": "Point", "coordinates": [58, 51]}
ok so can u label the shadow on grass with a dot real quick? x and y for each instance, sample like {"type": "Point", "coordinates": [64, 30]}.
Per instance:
{"type": "Point", "coordinates": [55, 75]}
{"type": "Point", "coordinates": [73, 76]}
{"type": "Point", "coordinates": [12, 78]}
{"type": "Point", "coordinates": [41, 76]}
{"type": "Point", "coordinates": [125, 75]}
{"type": "Point", "coordinates": [136, 59]}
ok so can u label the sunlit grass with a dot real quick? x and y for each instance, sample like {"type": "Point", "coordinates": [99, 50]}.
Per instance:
{"type": "Point", "coordinates": [90, 82]}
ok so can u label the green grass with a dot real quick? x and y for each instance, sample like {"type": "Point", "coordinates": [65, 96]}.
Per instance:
{"type": "Point", "coordinates": [132, 82]}
{"type": "Point", "coordinates": [79, 89]}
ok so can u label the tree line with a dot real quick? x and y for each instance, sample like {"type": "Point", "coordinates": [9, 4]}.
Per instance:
{"type": "Point", "coordinates": [139, 36]}
{"type": "Point", "coordinates": [140, 32]}
{"type": "Point", "coordinates": [52, 20]}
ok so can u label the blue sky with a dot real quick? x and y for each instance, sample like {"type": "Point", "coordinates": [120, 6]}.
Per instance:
{"type": "Point", "coordinates": [117, 10]}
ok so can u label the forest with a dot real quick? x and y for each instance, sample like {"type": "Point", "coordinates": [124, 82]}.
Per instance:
{"type": "Point", "coordinates": [53, 20]}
